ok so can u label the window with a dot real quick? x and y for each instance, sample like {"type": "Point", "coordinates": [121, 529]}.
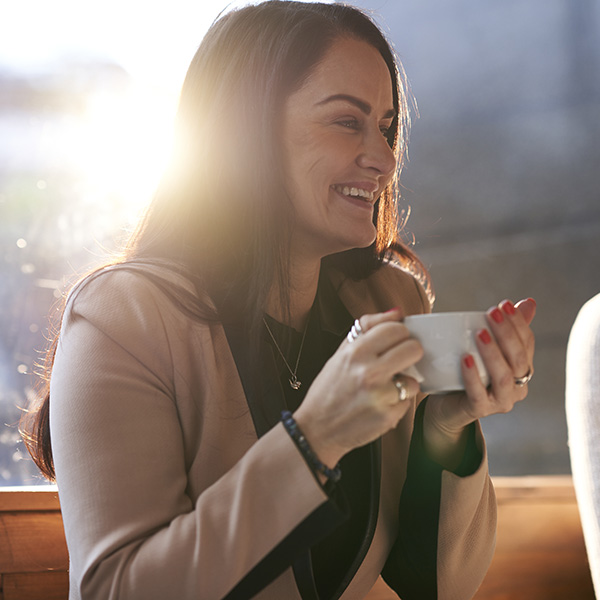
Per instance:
{"type": "Point", "coordinates": [85, 120]}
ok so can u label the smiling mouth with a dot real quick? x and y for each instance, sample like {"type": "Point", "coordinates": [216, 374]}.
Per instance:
{"type": "Point", "coordinates": [353, 192]}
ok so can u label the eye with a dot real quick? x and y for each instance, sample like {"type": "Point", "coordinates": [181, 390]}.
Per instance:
{"type": "Point", "coordinates": [385, 129]}
{"type": "Point", "coordinates": [349, 123]}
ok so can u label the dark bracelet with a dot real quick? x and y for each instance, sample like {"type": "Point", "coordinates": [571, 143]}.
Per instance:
{"type": "Point", "coordinates": [311, 458]}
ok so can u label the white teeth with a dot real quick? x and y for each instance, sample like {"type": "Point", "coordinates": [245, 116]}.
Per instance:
{"type": "Point", "coordinates": [354, 192]}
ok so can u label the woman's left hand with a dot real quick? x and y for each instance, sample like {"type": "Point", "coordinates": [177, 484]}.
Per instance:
{"type": "Point", "coordinates": [508, 358]}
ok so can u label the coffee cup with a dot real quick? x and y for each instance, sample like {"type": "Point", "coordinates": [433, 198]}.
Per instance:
{"type": "Point", "coordinates": [446, 338]}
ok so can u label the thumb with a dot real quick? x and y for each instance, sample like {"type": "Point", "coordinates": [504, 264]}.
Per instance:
{"type": "Point", "coordinates": [527, 308]}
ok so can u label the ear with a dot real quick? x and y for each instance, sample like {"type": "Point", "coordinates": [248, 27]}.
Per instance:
{"type": "Point", "coordinates": [527, 308]}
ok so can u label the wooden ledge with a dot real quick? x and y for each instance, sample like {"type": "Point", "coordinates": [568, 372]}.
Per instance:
{"type": "Point", "coordinates": [540, 552]}
{"type": "Point", "coordinates": [555, 487]}
{"type": "Point", "coordinates": [32, 544]}
{"type": "Point", "coordinates": [531, 487]}
{"type": "Point", "coordinates": [43, 497]}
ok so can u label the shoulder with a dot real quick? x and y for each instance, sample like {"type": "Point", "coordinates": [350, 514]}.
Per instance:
{"type": "Point", "coordinates": [584, 338]}
{"type": "Point", "coordinates": [133, 281]}
{"type": "Point", "coordinates": [133, 298]}
{"type": "Point", "coordinates": [589, 315]}
{"type": "Point", "coordinates": [388, 287]}
{"type": "Point", "coordinates": [116, 285]}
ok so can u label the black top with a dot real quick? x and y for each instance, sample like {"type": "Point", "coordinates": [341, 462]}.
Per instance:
{"type": "Point", "coordinates": [328, 323]}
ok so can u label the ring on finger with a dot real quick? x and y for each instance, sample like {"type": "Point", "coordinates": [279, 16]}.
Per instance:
{"type": "Point", "coordinates": [521, 381]}
{"type": "Point", "coordinates": [398, 381]}
{"type": "Point", "coordinates": [355, 331]}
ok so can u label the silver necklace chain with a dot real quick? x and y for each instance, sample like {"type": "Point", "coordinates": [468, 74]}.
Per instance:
{"type": "Point", "coordinates": [295, 383]}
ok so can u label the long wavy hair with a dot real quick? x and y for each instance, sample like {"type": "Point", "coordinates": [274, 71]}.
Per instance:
{"type": "Point", "coordinates": [220, 213]}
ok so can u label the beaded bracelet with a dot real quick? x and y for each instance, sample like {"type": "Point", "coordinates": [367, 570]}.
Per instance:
{"type": "Point", "coordinates": [296, 434]}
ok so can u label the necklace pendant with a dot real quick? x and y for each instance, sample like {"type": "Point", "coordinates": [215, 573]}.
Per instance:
{"type": "Point", "coordinates": [294, 382]}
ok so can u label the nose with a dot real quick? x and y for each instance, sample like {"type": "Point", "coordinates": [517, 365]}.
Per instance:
{"type": "Point", "coordinates": [376, 154]}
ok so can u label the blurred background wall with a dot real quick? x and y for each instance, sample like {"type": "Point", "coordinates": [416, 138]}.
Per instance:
{"type": "Point", "coordinates": [503, 180]}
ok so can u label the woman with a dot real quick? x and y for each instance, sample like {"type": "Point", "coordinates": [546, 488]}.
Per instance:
{"type": "Point", "coordinates": [181, 474]}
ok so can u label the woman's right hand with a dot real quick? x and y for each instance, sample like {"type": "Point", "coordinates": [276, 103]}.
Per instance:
{"type": "Point", "coordinates": [354, 400]}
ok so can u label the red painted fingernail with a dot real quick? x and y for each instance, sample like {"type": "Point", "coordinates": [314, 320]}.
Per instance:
{"type": "Point", "coordinates": [532, 300]}
{"type": "Point", "coordinates": [496, 314]}
{"type": "Point", "coordinates": [469, 361]}
{"type": "Point", "coordinates": [508, 307]}
{"type": "Point", "coordinates": [395, 309]}
{"type": "Point", "coordinates": [484, 336]}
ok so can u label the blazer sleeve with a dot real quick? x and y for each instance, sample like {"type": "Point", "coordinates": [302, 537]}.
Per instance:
{"type": "Point", "coordinates": [447, 524]}
{"type": "Point", "coordinates": [447, 521]}
{"type": "Point", "coordinates": [133, 529]}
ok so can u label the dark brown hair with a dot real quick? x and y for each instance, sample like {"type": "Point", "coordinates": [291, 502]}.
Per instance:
{"type": "Point", "coordinates": [220, 212]}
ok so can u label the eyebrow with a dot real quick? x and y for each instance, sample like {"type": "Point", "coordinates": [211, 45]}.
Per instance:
{"type": "Point", "coordinates": [360, 104]}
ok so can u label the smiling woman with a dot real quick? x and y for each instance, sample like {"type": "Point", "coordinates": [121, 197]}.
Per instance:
{"type": "Point", "coordinates": [227, 414]}
{"type": "Point", "coordinates": [338, 159]}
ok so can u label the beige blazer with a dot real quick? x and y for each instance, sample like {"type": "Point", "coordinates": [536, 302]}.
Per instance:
{"type": "Point", "coordinates": [165, 487]}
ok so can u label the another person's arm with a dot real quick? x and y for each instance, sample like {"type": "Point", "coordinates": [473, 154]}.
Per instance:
{"type": "Point", "coordinates": [583, 419]}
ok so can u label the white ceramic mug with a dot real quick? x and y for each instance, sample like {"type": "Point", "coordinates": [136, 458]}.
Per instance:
{"type": "Point", "coordinates": [446, 338]}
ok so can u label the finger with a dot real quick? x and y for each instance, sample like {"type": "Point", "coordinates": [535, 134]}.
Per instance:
{"type": "Point", "coordinates": [397, 410]}
{"type": "Point", "coordinates": [381, 354]}
{"type": "Point", "coordinates": [367, 322]}
{"type": "Point", "coordinates": [509, 311]}
{"type": "Point", "coordinates": [399, 357]}
{"type": "Point", "coordinates": [502, 376]}
{"type": "Point", "coordinates": [527, 308]}
{"type": "Point", "coordinates": [378, 335]}
{"type": "Point", "coordinates": [385, 347]}
{"type": "Point", "coordinates": [521, 316]}
{"type": "Point", "coordinates": [405, 387]}
{"type": "Point", "coordinates": [474, 388]}
{"type": "Point", "coordinates": [518, 319]}
{"type": "Point", "coordinates": [512, 336]}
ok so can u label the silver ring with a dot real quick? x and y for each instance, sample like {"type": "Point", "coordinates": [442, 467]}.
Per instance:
{"type": "Point", "coordinates": [355, 331]}
{"type": "Point", "coordinates": [521, 381]}
{"type": "Point", "coordinates": [401, 387]}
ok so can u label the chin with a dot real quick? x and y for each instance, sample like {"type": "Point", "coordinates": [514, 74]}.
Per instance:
{"type": "Point", "coordinates": [348, 237]}
{"type": "Point", "coordinates": [363, 241]}
{"type": "Point", "coordinates": [366, 237]}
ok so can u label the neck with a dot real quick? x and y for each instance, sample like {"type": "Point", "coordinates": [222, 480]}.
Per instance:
{"type": "Point", "coordinates": [304, 278]}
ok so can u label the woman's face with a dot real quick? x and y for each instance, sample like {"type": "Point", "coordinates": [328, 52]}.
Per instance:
{"type": "Point", "coordinates": [337, 160]}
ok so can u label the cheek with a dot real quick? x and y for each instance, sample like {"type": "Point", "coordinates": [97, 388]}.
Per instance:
{"type": "Point", "coordinates": [314, 160]}
{"type": "Point", "coordinates": [308, 165]}
{"type": "Point", "coordinates": [326, 161]}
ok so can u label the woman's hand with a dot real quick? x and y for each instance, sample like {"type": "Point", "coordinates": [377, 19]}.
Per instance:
{"type": "Point", "coordinates": [353, 400]}
{"type": "Point", "coordinates": [508, 357]}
